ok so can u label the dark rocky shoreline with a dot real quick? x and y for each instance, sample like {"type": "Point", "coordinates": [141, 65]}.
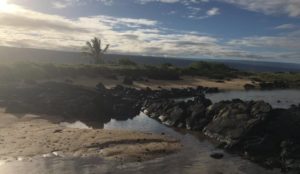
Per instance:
{"type": "Point", "coordinates": [253, 129]}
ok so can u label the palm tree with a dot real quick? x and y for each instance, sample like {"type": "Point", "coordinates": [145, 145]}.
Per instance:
{"type": "Point", "coordinates": [94, 49]}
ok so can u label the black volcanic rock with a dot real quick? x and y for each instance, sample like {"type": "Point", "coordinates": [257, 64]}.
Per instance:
{"type": "Point", "coordinates": [190, 115]}
{"type": "Point", "coordinates": [233, 120]}
{"type": "Point", "coordinates": [217, 155]}
{"type": "Point", "coordinates": [274, 85]}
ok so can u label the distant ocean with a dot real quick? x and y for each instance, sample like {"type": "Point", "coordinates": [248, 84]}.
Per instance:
{"type": "Point", "coordinates": [11, 55]}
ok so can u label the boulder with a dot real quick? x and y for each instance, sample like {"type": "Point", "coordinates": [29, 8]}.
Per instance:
{"type": "Point", "coordinates": [217, 155]}
{"type": "Point", "coordinates": [277, 140]}
{"type": "Point", "coordinates": [233, 120]}
{"type": "Point", "coordinates": [176, 116]}
{"type": "Point", "coordinates": [197, 118]}
{"type": "Point", "coordinates": [290, 155]}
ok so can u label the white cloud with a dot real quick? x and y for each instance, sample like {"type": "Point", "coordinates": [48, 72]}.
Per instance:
{"type": "Point", "coordinates": [27, 28]}
{"type": "Point", "coordinates": [61, 4]}
{"type": "Point", "coordinates": [286, 27]}
{"type": "Point", "coordinates": [194, 12]}
{"type": "Point", "coordinates": [214, 11]}
{"type": "Point", "coordinates": [162, 1]}
{"type": "Point", "coordinates": [209, 13]}
{"type": "Point", "coordinates": [277, 42]}
{"type": "Point", "coordinates": [270, 7]}
{"type": "Point", "coordinates": [184, 2]}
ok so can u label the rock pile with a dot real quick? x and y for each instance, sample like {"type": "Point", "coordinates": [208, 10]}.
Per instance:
{"type": "Point", "coordinates": [84, 104]}
{"type": "Point", "coordinates": [268, 136]}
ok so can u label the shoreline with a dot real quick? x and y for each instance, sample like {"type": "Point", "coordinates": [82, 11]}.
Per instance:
{"type": "Point", "coordinates": [73, 102]}
{"type": "Point", "coordinates": [33, 135]}
{"type": "Point", "coordinates": [184, 82]}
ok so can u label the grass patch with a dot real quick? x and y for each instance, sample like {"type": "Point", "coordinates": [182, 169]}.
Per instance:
{"type": "Point", "coordinates": [291, 78]}
{"type": "Point", "coordinates": [36, 71]}
{"type": "Point", "coordinates": [210, 70]}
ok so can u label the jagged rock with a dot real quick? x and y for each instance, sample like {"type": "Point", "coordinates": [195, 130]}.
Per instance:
{"type": "Point", "coordinates": [176, 116]}
{"type": "Point", "coordinates": [233, 120]}
{"type": "Point", "coordinates": [277, 140]}
{"type": "Point", "coordinates": [198, 118]}
{"type": "Point", "coordinates": [290, 155]}
{"type": "Point", "coordinates": [190, 114]}
{"type": "Point", "coordinates": [217, 155]}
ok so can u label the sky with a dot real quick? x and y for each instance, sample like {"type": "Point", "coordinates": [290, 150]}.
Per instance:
{"type": "Point", "coordinates": [264, 30]}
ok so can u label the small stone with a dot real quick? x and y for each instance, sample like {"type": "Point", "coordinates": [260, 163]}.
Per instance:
{"type": "Point", "coordinates": [57, 131]}
{"type": "Point", "coordinates": [217, 155]}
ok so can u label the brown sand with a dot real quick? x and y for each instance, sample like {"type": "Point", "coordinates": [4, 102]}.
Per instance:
{"type": "Point", "coordinates": [186, 81]}
{"type": "Point", "coordinates": [33, 135]}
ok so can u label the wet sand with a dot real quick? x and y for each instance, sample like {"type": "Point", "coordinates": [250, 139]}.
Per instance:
{"type": "Point", "coordinates": [31, 135]}
{"type": "Point", "coordinates": [193, 157]}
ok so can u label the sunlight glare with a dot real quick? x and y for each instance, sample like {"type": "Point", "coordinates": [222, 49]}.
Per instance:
{"type": "Point", "coordinates": [6, 7]}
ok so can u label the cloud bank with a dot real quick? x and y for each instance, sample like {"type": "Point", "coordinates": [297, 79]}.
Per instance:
{"type": "Point", "coordinates": [27, 28]}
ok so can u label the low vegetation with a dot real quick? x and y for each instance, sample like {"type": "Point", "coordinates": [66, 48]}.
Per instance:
{"type": "Point", "coordinates": [210, 70]}
{"type": "Point", "coordinates": [290, 78]}
{"type": "Point", "coordinates": [127, 62]}
{"type": "Point", "coordinates": [37, 71]}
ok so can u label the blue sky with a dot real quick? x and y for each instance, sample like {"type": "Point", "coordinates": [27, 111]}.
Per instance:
{"type": "Point", "coordinates": [218, 29]}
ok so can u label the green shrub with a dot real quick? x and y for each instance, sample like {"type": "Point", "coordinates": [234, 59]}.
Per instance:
{"type": "Point", "coordinates": [210, 70]}
{"type": "Point", "coordinates": [126, 62]}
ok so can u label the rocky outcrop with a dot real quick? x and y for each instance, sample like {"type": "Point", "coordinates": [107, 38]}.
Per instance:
{"type": "Point", "coordinates": [277, 142]}
{"type": "Point", "coordinates": [150, 94]}
{"type": "Point", "coordinates": [80, 103]}
{"type": "Point", "coordinates": [233, 120]}
{"type": "Point", "coordinates": [70, 101]}
{"type": "Point", "coordinates": [274, 85]}
{"type": "Point", "coordinates": [251, 128]}
{"type": "Point", "coordinates": [190, 114]}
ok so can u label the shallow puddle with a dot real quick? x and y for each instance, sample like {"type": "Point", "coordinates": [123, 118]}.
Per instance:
{"type": "Point", "coordinates": [194, 158]}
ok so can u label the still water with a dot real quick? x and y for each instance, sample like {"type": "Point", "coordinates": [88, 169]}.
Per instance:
{"type": "Point", "coordinates": [194, 158]}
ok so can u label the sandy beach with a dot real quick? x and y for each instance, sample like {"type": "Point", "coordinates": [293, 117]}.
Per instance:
{"type": "Point", "coordinates": [32, 135]}
{"type": "Point", "coordinates": [185, 82]}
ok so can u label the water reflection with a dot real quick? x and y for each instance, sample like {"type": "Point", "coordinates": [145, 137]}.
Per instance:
{"type": "Point", "coordinates": [194, 158]}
